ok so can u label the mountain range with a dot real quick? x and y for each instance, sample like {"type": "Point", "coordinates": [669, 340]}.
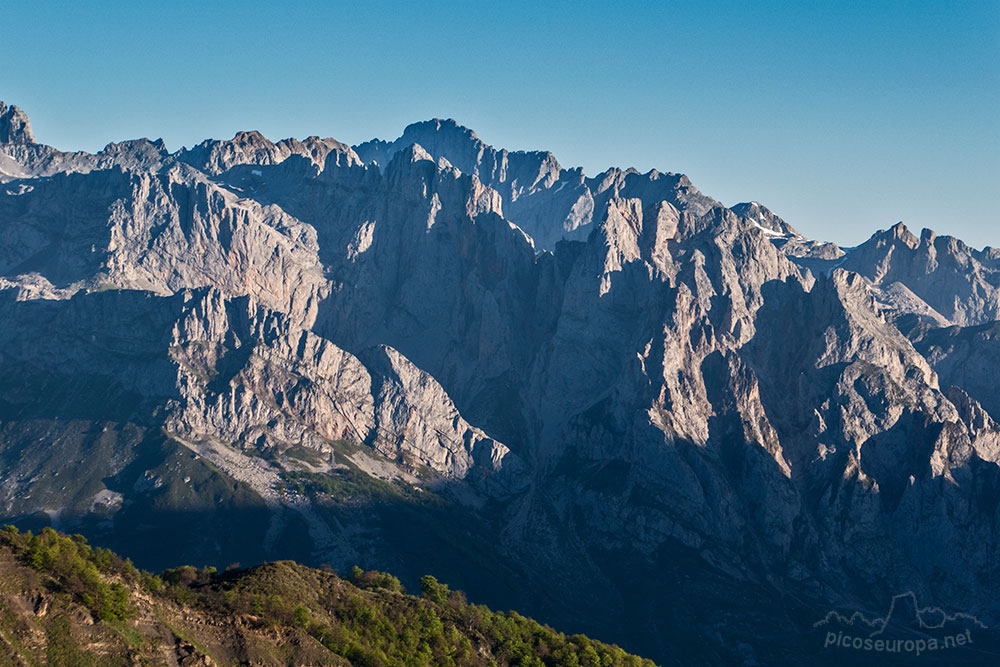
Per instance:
{"type": "Point", "coordinates": [611, 402]}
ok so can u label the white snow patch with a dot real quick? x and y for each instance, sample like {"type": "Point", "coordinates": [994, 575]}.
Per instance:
{"type": "Point", "coordinates": [561, 186]}
{"type": "Point", "coordinates": [767, 231]}
{"type": "Point", "coordinates": [256, 172]}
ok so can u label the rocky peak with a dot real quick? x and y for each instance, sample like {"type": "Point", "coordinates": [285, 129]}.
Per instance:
{"type": "Point", "coordinates": [763, 217]}
{"type": "Point", "coordinates": [136, 154]}
{"type": "Point", "coordinates": [317, 150]}
{"type": "Point", "coordinates": [941, 275]}
{"type": "Point", "coordinates": [252, 148]}
{"type": "Point", "coordinates": [445, 138]}
{"type": "Point", "coordinates": [411, 171]}
{"type": "Point", "coordinates": [214, 156]}
{"type": "Point", "coordinates": [898, 232]}
{"type": "Point", "coordinates": [459, 145]}
{"type": "Point", "coordinates": [462, 148]}
{"type": "Point", "coordinates": [438, 127]}
{"type": "Point", "coordinates": [374, 152]}
{"type": "Point", "coordinates": [652, 187]}
{"type": "Point", "coordinates": [15, 128]}
{"type": "Point", "coordinates": [549, 203]}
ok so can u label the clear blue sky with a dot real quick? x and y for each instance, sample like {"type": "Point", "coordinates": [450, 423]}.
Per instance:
{"type": "Point", "coordinates": [841, 117]}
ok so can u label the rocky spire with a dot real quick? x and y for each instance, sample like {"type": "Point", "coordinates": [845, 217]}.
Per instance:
{"type": "Point", "coordinates": [15, 128]}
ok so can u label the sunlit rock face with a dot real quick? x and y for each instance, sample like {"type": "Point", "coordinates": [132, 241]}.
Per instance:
{"type": "Point", "coordinates": [610, 401]}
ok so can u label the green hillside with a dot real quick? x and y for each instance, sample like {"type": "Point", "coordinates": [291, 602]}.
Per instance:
{"type": "Point", "coordinates": [63, 602]}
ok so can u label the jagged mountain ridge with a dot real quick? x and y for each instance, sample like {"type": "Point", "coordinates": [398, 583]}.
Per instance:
{"type": "Point", "coordinates": [668, 376]}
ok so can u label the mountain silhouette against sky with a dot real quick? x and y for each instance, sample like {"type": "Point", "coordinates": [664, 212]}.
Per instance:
{"type": "Point", "coordinates": [608, 401]}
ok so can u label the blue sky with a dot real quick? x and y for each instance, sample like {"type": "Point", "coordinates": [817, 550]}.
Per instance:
{"type": "Point", "coordinates": [841, 117]}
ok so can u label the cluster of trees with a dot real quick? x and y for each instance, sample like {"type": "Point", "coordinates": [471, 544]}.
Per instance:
{"type": "Point", "coordinates": [367, 618]}
{"type": "Point", "coordinates": [80, 569]}
{"type": "Point", "coordinates": [373, 579]}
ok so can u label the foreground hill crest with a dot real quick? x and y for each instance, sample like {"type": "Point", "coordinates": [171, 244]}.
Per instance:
{"type": "Point", "coordinates": [69, 603]}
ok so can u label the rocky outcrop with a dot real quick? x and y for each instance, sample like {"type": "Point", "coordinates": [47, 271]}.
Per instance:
{"type": "Point", "coordinates": [965, 357]}
{"type": "Point", "coordinates": [205, 366]}
{"type": "Point", "coordinates": [15, 128]}
{"type": "Point", "coordinates": [252, 148]}
{"type": "Point", "coordinates": [548, 202]}
{"type": "Point", "coordinates": [159, 232]}
{"type": "Point", "coordinates": [251, 378]}
{"type": "Point", "coordinates": [764, 218]}
{"type": "Point", "coordinates": [957, 284]}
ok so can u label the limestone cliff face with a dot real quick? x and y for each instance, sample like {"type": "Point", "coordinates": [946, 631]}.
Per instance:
{"type": "Point", "coordinates": [15, 128]}
{"type": "Point", "coordinates": [207, 367]}
{"type": "Point", "coordinates": [965, 357]}
{"type": "Point", "coordinates": [249, 376]}
{"type": "Point", "coordinates": [160, 232]}
{"type": "Point", "coordinates": [548, 202]}
{"type": "Point", "coordinates": [936, 276]}
{"type": "Point", "coordinates": [601, 370]}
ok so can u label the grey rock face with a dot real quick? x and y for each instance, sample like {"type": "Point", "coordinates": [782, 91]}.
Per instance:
{"type": "Point", "coordinates": [287, 386]}
{"type": "Point", "coordinates": [211, 367]}
{"type": "Point", "coordinates": [628, 392]}
{"type": "Point", "coordinates": [966, 357]}
{"type": "Point", "coordinates": [252, 148]}
{"type": "Point", "coordinates": [764, 218]}
{"type": "Point", "coordinates": [548, 202]}
{"type": "Point", "coordinates": [957, 284]}
{"type": "Point", "coordinates": [15, 128]}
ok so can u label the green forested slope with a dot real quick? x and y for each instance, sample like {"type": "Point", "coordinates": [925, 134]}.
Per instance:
{"type": "Point", "coordinates": [63, 602]}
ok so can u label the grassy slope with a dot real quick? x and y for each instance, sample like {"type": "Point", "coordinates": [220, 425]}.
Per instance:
{"type": "Point", "coordinates": [63, 602]}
